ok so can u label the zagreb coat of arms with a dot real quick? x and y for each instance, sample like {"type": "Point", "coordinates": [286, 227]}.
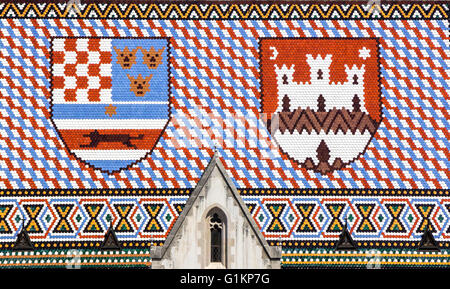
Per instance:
{"type": "Point", "coordinates": [110, 97]}
{"type": "Point", "coordinates": [321, 97]}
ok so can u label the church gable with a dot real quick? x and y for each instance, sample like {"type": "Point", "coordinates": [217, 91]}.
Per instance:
{"type": "Point", "coordinates": [215, 230]}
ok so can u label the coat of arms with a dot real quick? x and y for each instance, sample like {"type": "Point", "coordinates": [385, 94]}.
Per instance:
{"type": "Point", "coordinates": [110, 97]}
{"type": "Point", "coordinates": [322, 98]}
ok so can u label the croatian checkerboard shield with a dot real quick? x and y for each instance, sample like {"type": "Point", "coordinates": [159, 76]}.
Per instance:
{"type": "Point", "coordinates": [110, 97]}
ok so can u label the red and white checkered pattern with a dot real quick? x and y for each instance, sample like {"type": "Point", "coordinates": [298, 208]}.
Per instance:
{"type": "Point", "coordinates": [82, 70]}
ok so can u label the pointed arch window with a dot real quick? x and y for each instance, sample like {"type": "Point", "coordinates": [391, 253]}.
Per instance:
{"type": "Point", "coordinates": [217, 237]}
{"type": "Point", "coordinates": [216, 226]}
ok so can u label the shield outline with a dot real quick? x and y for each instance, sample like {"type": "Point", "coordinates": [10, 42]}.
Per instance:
{"type": "Point", "coordinates": [261, 94]}
{"type": "Point", "coordinates": [169, 97]}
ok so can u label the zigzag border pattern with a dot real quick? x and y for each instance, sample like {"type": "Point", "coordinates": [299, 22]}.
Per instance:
{"type": "Point", "coordinates": [224, 11]}
{"type": "Point", "coordinates": [297, 218]}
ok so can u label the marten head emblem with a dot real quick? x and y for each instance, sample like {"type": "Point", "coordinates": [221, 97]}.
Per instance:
{"type": "Point", "coordinates": [132, 102]}
{"type": "Point", "coordinates": [140, 86]}
{"type": "Point", "coordinates": [125, 57]}
{"type": "Point", "coordinates": [152, 57]}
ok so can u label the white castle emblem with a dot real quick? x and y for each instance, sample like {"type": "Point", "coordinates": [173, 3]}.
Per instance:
{"type": "Point", "coordinates": [338, 95]}
{"type": "Point", "coordinates": [318, 119]}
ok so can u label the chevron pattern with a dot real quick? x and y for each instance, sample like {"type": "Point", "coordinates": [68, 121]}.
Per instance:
{"type": "Point", "coordinates": [216, 81]}
{"type": "Point", "coordinates": [320, 218]}
{"type": "Point", "coordinates": [299, 218]}
{"type": "Point", "coordinates": [88, 219]}
{"type": "Point", "coordinates": [224, 11]}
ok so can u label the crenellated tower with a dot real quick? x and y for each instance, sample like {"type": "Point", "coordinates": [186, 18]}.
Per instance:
{"type": "Point", "coordinates": [293, 95]}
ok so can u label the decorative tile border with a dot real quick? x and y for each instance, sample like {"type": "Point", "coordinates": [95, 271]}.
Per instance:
{"type": "Point", "coordinates": [291, 258]}
{"type": "Point", "coordinates": [73, 259]}
{"type": "Point", "coordinates": [364, 259]}
{"type": "Point", "coordinates": [298, 218]}
{"type": "Point", "coordinates": [211, 10]}
{"type": "Point", "coordinates": [243, 192]}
